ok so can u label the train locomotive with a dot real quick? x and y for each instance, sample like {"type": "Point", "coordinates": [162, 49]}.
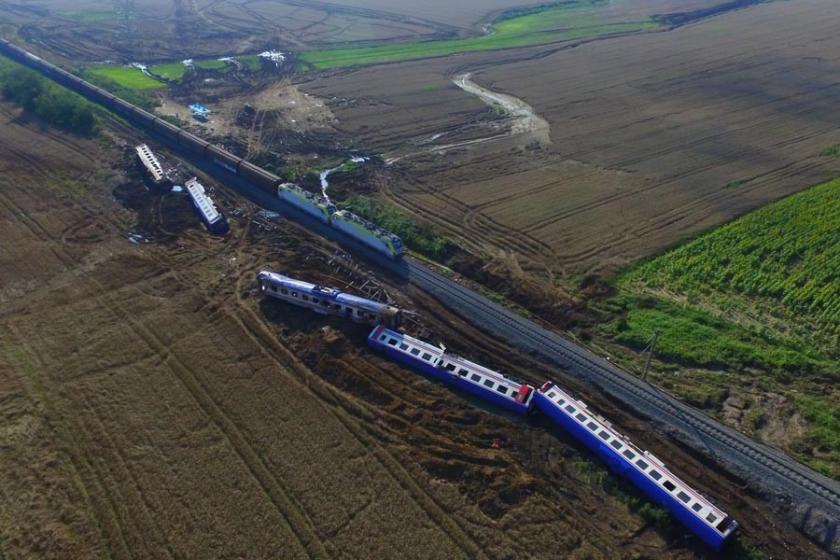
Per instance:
{"type": "Point", "coordinates": [349, 224]}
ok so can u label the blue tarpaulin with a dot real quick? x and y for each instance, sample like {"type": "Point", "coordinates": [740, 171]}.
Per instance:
{"type": "Point", "coordinates": [199, 109]}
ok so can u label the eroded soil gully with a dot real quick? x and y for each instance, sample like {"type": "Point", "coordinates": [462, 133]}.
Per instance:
{"type": "Point", "coordinates": [522, 119]}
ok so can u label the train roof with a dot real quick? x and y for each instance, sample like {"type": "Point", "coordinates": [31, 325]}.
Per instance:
{"type": "Point", "coordinates": [202, 201]}
{"type": "Point", "coordinates": [150, 161]}
{"type": "Point", "coordinates": [370, 226]}
{"type": "Point", "coordinates": [315, 198]}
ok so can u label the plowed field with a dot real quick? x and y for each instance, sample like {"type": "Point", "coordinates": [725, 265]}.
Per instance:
{"type": "Point", "coordinates": [654, 137]}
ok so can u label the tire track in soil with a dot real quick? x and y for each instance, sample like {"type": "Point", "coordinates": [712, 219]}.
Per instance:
{"type": "Point", "coordinates": [303, 531]}
{"type": "Point", "coordinates": [295, 520]}
{"type": "Point", "coordinates": [99, 501]}
{"type": "Point", "coordinates": [252, 326]}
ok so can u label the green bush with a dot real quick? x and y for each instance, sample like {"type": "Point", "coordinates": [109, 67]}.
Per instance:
{"type": "Point", "coordinates": [47, 100]}
{"type": "Point", "coordinates": [420, 238]}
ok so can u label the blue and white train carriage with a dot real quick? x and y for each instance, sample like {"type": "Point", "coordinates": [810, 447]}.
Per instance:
{"type": "Point", "coordinates": [328, 301]}
{"type": "Point", "coordinates": [643, 469]}
{"type": "Point", "coordinates": [453, 370]}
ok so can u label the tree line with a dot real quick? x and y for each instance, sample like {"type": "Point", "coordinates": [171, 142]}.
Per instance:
{"type": "Point", "coordinates": [47, 100]}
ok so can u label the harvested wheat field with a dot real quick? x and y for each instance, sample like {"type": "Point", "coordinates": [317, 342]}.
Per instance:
{"type": "Point", "coordinates": [652, 137]}
{"type": "Point", "coordinates": [154, 406]}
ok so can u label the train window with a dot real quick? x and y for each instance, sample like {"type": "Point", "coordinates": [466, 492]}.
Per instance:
{"type": "Point", "coordinates": [684, 497]}
{"type": "Point", "coordinates": [571, 409]}
{"type": "Point", "coordinates": [604, 435]}
{"type": "Point", "coordinates": [325, 304]}
{"type": "Point", "coordinates": [415, 351]}
{"type": "Point", "coordinates": [284, 291]}
{"type": "Point", "coordinates": [316, 300]}
{"type": "Point", "coordinates": [450, 367]}
{"type": "Point", "coordinates": [502, 389]}
{"type": "Point", "coordinates": [427, 356]}
{"type": "Point", "coordinates": [629, 454]}
{"type": "Point", "coordinates": [617, 444]}
{"type": "Point", "coordinates": [552, 394]}
{"type": "Point", "coordinates": [697, 506]}
{"type": "Point", "coordinates": [561, 402]}
{"type": "Point", "coordinates": [462, 372]}
{"type": "Point", "coordinates": [642, 464]}
{"type": "Point", "coordinates": [393, 342]}
{"type": "Point", "coordinates": [371, 316]}
{"type": "Point", "coordinates": [475, 377]}
{"type": "Point", "coordinates": [383, 337]}
{"type": "Point", "coordinates": [305, 297]}
{"type": "Point", "coordinates": [711, 518]}
{"type": "Point", "coordinates": [336, 306]}
{"type": "Point", "coordinates": [581, 417]}
{"type": "Point", "coordinates": [403, 346]}
{"type": "Point", "coordinates": [670, 486]}
{"type": "Point", "coordinates": [592, 426]}
{"type": "Point", "coordinates": [274, 288]}
{"type": "Point", "coordinates": [655, 475]}
{"type": "Point", "coordinates": [488, 383]}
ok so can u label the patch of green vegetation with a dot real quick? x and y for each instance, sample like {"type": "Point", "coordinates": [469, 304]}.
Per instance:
{"type": "Point", "coordinates": [210, 64]}
{"type": "Point", "coordinates": [695, 337]}
{"type": "Point", "coordinates": [779, 265]}
{"type": "Point", "coordinates": [576, 19]}
{"type": "Point", "coordinates": [140, 98]}
{"type": "Point", "coordinates": [171, 72]}
{"type": "Point", "coordinates": [757, 299]}
{"type": "Point", "coordinates": [823, 433]}
{"type": "Point", "coordinates": [250, 62]}
{"type": "Point", "coordinates": [832, 151]}
{"type": "Point", "coordinates": [598, 476]}
{"type": "Point", "coordinates": [420, 238]}
{"type": "Point", "coordinates": [89, 16]}
{"type": "Point", "coordinates": [127, 77]}
{"type": "Point", "coordinates": [46, 99]}
{"type": "Point", "coordinates": [735, 184]}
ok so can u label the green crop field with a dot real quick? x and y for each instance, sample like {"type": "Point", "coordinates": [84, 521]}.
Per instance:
{"type": "Point", "coordinates": [211, 64]}
{"type": "Point", "coordinates": [126, 76]}
{"type": "Point", "coordinates": [171, 71]}
{"type": "Point", "coordinates": [756, 303]}
{"type": "Point", "coordinates": [780, 262]}
{"type": "Point", "coordinates": [573, 20]}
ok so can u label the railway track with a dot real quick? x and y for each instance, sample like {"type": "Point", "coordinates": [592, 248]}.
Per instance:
{"type": "Point", "coordinates": [753, 461]}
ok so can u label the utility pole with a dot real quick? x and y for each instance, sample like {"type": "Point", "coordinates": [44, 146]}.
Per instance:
{"type": "Point", "coordinates": [651, 347]}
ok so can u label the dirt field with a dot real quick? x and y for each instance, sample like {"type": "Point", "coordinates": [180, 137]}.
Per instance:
{"type": "Point", "coordinates": [157, 30]}
{"type": "Point", "coordinates": [654, 137]}
{"type": "Point", "coordinates": [153, 406]}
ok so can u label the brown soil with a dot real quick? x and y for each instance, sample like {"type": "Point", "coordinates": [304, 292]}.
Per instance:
{"type": "Point", "coordinates": [654, 137]}
{"type": "Point", "coordinates": [154, 406]}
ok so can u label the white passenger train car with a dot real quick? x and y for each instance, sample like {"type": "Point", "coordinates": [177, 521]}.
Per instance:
{"type": "Point", "coordinates": [328, 301]}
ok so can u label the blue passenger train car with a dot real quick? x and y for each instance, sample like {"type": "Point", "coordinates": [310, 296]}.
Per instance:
{"type": "Point", "coordinates": [643, 469]}
{"type": "Point", "coordinates": [453, 370]}
{"type": "Point", "coordinates": [210, 215]}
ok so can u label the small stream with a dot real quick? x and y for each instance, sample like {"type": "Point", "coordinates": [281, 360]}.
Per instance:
{"type": "Point", "coordinates": [325, 184]}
